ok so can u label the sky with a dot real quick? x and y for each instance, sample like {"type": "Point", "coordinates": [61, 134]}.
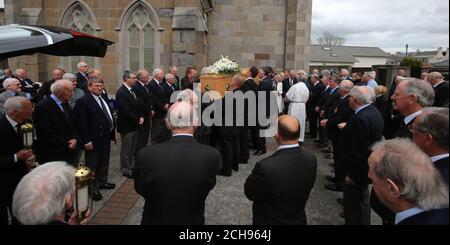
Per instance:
{"type": "Point", "coordinates": [2, 4]}
{"type": "Point", "coordinates": [388, 24]}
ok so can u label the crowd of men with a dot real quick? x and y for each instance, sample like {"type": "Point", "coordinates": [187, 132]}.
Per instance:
{"type": "Point", "coordinates": [174, 159]}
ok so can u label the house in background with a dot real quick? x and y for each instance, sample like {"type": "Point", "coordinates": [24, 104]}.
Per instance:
{"type": "Point", "coordinates": [354, 58]}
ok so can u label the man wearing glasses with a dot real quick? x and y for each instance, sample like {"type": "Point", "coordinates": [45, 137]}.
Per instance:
{"type": "Point", "coordinates": [12, 88]}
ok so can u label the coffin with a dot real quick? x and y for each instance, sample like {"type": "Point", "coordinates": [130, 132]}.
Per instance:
{"type": "Point", "coordinates": [214, 82]}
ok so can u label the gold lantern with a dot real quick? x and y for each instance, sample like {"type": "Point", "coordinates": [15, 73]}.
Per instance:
{"type": "Point", "coordinates": [83, 193]}
{"type": "Point", "coordinates": [27, 130]}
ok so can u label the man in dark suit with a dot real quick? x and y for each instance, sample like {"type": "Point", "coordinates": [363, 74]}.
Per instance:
{"type": "Point", "coordinates": [44, 90]}
{"type": "Point", "coordinates": [363, 129]}
{"type": "Point", "coordinates": [96, 127]}
{"type": "Point", "coordinates": [441, 89]}
{"type": "Point", "coordinates": [130, 118]}
{"type": "Point", "coordinates": [7, 73]}
{"type": "Point", "coordinates": [175, 193]}
{"type": "Point", "coordinates": [82, 76]}
{"type": "Point", "coordinates": [341, 114]}
{"type": "Point", "coordinates": [410, 97]}
{"type": "Point", "coordinates": [160, 104]}
{"type": "Point", "coordinates": [55, 128]}
{"type": "Point", "coordinates": [279, 185]}
{"type": "Point", "coordinates": [249, 86]}
{"type": "Point", "coordinates": [169, 86]}
{"type": "Point", "coordinates": [188, 81]}
{"type": "Point", "coordinates": [143, 94]}
{"type": "Point", "coordinates": [28, 87]}
{"type": "Point", "coordinates": [177, 82]}
{"type": "Point", "coordinates": [316, 92]}
{"type": "Point", "coordinates": [15, 160]}
{"type": "Point", "coordinates": [265, 86]}
{"type": "Point", "coordinates": [323, 140]}
{"type": "Point", "coordinates": [229, 133]}
{"type": "Point", "coordinates": [430, 133]}
{"type": "Point", "coordinates": [287, 84]}
{"type": "Point", "coordinates": [416, 199]}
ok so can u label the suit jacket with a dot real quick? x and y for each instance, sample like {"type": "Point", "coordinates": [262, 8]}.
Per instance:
{"type": "Point", "coordinates": [250, 85]}
{"type": "Point", "coordinates": [287, 85]}
{"type": "Point", "coordinates": [10, 171]}
{"type": "Point", "coordinates": [403, 131]}
{"type": "Point", "coordinates": [442, 166]}
{"type": "Point", "coordinates": [279, 187]}
{"type": "Point", "coordinates": [231, 130]}
{"type": "Point", "coordinates": [144, 97]}
{"type": "Point", "coordinates": [175, 178]}
{"type": "Point", "coordinates": [381, 105]}
{"type": "Point", "coordinates": [168, 91]}
{"type": "Point", "coordinates": [158, 98]}
{"type": "Point", "coordinates": [266, 85]}
{"type": "Point", "coordinates": [314, 97]}
{"type": "Point", "coordinates": [342, 114]}
{"type": "Point", "coordinates": [92, 123]}
{"type": "Point", "coordinates": [441, 94]}
{"type": "Point", "coordinates": [4, 96]}
{"type": "Point", "coordinates": [28, 86]}
{"type": "Point", "coordinates": [82, 82]}
{"type": "Point", "coordinates": [362, 131]}
{"type": "Point", "coordinates": [53, 131]}
{"type": "Point", "coordinates": [185, 84]}
{"type": "Point", "coordinates": [331, 103]}
{"type": "Point", "coordinates": [129, 110]}
{"type": "Point", "coordinates": [432, 217]}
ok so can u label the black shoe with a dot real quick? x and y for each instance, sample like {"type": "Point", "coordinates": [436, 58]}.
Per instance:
{"type": "Point", "coordinates": [97, 196]}
{"type": "Point", "coordinates": [322, 145]}
{"type": "Point", "coordinates": [329, 156]}
{"type": "Point", "coordinates": [242, 161]}
{"type": "Point", "coordinates": [318, 141]}
{"type": "Point", "coordinates": [108, 186]}
{"type": "Point", "coordinates": [300, 143]}
{"type": "Point", "coordinates": [260, 152]}
{"type": "Point", "coordinates": [334, 187]}
{"type": "Point", "coordinates": [341, 214]}
{"type": "Point", "coordinates": [340, 200]}
{"type": "Point", "coordinates": [326, 150]}
{"type": "Point", "coordinates": [128, 175]}
{"type": "Point", "coordinates": [330, 178]}
{"type": "Point", "coordinates": [235, 168]}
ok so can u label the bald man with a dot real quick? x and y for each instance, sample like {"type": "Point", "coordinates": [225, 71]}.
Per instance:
{"type": "Point", "coordinates": [175, 177]}
{"type": "Point", "coordinates": [279, 185]}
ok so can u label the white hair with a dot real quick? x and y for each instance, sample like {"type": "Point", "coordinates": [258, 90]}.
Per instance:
{"type": "Point", "coordinates": [80, 64]}
{"type": "Point", "coordinates": [41, 195]}
{"type": "Point", "coordinates": [363, 94]}
{"type": "Point", "coordinates": [371, 74]}
{"type": "Point", "coordinates": [411, 170]}
{"type": "Point", "coordinates": [169, 75]}
{"type": "Point", "coordinates": [9, 81]}
{"type": "Point", "coordinates": [422, 90]}
{"type": "Point", "coordinates": [69, 76]}
{"type": "Point", "coordinates": [181, 115]}
{"type": "Point", "coordinates": [157, 71]}
{"type": "Point", "coordinates": [14, 104]}
{"type": "Point", "coordinates": [346, 86]}
{"type": "Point", "coordinates": [60, 85]}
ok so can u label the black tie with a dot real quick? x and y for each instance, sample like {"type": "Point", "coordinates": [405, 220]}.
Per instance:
{"type": "Point", "coordinates": [106, 113]}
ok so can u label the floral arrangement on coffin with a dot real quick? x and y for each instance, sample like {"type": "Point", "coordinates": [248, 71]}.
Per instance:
{"type": "Point", "coordinates": [218, 76]}
{"type": "Point", "coordinates": [223, 66]}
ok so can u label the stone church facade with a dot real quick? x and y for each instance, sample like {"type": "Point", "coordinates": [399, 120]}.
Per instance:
{"type": "Point", "coordinates": [159, 33]}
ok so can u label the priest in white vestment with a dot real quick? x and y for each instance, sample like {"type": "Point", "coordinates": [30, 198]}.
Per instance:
{"type": "Point", "coordinates": [298, 95]}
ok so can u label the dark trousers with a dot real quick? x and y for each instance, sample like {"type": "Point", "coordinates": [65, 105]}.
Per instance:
{"type": "Point", "coordinates": [323, 134]}
{"type": "Point", "coordinates": [254, 134]}
{"type": "Point", "coordinates": [230, 150]}
{"type": "Point", "coordinates": [144, 134]}
{"type": "Point", "coordinates": [158, 125]}
{"type": "Point", "coordinates": [338, 164]}
{"type": "Point", "coordinates": [356, 205]}
{"type": "Point", "coordinates": [128, 152]}
{"type": "Point", "coordinates": [6, 207]}
{"type": "Point", "coordinates": [99, 163]}
{"type": "Point", "coordinates": [244, 144]}
{"type": "Point", "coordinates": [313, 124]}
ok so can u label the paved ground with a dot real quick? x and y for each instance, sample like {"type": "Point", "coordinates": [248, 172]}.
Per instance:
{"type": "Point", "coordinates": [226, 203]}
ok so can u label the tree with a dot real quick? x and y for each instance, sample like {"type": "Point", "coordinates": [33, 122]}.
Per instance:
{"type": "Point", "coordinates": [411, 62]}
{"type": "Point", "coordinates": [328, 39]}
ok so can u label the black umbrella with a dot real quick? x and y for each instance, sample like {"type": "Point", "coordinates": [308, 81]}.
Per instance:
{"type": "Point", "coordinates": [16, 40]}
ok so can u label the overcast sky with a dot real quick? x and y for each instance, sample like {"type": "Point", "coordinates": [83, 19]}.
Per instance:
{"type": "Point", "coordinates": [1, 4]}
{"type": "Point", "coordinates": [388, 24]}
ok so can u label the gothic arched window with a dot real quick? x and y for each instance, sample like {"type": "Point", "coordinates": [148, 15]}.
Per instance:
{"type": "Point", "coordinates": [139, 37]}
{"type": "Point", "coordinates": [79, 17]}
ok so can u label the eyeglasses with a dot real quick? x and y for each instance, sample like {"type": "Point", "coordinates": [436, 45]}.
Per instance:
{"type": "Point", "coordinates": [412, 129]}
